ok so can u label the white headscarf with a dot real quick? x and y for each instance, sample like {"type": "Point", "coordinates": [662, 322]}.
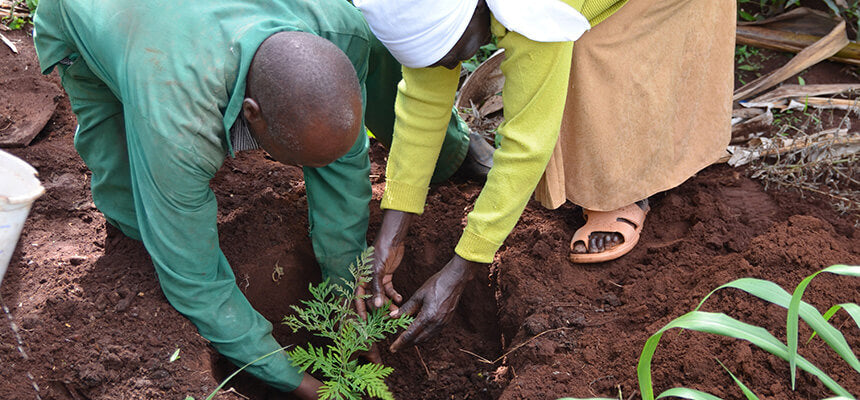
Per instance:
{"type": "Point", "coordinates": [419, 33]}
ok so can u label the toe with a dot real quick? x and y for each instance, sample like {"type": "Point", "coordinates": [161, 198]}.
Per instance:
{"type": "Point", "coordinates": [614, 240]}
{"type": "Point", "coordinates": [579, 248]}
{"type": "Point", "coordinates": [596, 243]}
{"type": "Point", "coordinates": [603, 241]}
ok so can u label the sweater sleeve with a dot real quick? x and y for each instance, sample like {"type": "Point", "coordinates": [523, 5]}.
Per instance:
{"type": "Point", "coordinates": [536, 81]}
{"type": "Point", "coordinates": [536, 78]}
{"type": "Point", "coordinates": [422, 109]}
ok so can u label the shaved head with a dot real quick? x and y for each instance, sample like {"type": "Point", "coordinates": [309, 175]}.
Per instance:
{"type": "Point", "coordinates": [303, 99]}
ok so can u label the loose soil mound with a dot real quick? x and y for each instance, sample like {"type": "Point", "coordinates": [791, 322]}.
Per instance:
{"type": "Point", "coordinates": [95, 325]}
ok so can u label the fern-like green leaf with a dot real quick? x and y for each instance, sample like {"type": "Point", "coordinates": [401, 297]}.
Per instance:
{"type": "Point", "coordinates": [371, 379]}
{"type": "Point", "coordinates": [330, 314]}
{"type": "Point", "coordinates": [335, 390]}
{"type": "Point", "coordinates": [311, 359]}
{"type": "Point", "coordinates": [301, 358]}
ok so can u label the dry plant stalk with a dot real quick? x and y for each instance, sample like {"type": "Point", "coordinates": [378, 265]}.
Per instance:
{"type": "Point", "coordinates": [820, 168]}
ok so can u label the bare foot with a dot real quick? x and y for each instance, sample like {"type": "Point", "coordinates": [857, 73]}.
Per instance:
{"type": "Point", "coordinates": [603, 241]}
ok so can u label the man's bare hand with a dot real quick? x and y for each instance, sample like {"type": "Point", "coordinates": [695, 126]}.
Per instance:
{"type": "Point", "coordinates": [308, 389]}
{"type": "Point", "coordinates": [434, 302]}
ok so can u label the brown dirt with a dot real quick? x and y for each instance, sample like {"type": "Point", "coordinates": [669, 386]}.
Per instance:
{"type": "Point", "coordinates": [95, 324]}
{"type": "Point", "coordinates": [35, 102]}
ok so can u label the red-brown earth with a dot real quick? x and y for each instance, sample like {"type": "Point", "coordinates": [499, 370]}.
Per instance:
{"type": "Point", "coordinates": [95, 324]}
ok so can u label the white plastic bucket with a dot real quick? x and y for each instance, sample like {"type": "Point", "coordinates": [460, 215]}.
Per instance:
{"type": "Point", "coordinates": [19, 187]}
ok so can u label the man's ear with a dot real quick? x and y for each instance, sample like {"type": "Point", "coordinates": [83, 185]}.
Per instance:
{"type": "Point", "coordinates": [252, 111]}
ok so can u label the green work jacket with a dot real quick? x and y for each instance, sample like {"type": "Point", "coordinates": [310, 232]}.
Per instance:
{"type": "Point", "coordinates": [156, 86]}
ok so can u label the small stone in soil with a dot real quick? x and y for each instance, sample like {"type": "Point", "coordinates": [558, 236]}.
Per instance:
{"type": "Point", "coordinates": [77, 260]}
{"type": "Point", "coordinates": [123, 304]}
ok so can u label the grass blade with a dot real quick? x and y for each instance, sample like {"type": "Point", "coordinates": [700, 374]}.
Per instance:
{"type": "Point", "coordinates": [765, 290]}
{"type": "Point", "coordinates": [771, 292]}
{"type": "Point", "coordinates": [852, 309]}
{"type": "Point", "coordinates": [721, 324]}
{"type": "Point", "coordinates": [794, 310]}
{"type": "Point", "coordinates": [686, 393]}
{"type": "Point", "coordinates": [589, 398]}
{"type": "Point", "coordinates": [747, 392]}
{"type": "Point", "coordinates": [833, 7]}
{"type": "Point", "coordinates": [227, 379]}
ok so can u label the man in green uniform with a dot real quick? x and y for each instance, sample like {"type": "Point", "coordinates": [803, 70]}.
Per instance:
{"type": "Point", "coordinates": [164, 90]}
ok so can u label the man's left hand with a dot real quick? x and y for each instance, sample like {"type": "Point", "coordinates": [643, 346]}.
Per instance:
{"type": "Point", "coordinates": [434, 303]}
{"type": "Point", "coordinates": [308, 389]}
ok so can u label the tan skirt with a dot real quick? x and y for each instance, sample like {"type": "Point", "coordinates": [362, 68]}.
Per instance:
{"type": "Point", "coordinates": [649, 103]}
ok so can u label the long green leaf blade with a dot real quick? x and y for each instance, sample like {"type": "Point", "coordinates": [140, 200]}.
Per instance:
{"type": "Point", "coordinates": [771, 292]}
{"type": "Point", "coordinates": [721, 324]}
{"type": "Point", "coordinates": [686, 393]}
{"type": "Point", "coordinates": [746, 391]}
{"type": "Point", "coordinates": [794, 310]}
{"type": "Point", "coordinates": [765, 290]}
{"type": "Point", "coordinates": [852, 309]}
{"type": "Point", "coordinates": [833, 7]}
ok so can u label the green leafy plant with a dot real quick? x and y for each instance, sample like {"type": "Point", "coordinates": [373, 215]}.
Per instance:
{"type": "Point", "coordinates": [484, 52]}
{"type": "Point", "coordinates": [721, 324]}
{"type": "Point", "coordinates": [17, 20]}
{"type": "Point", "coordinates": [744, 56]}
{"type": "Point", "coordinates": [14, 22]}
{"type": "Point", "coordinates": [745, 15]}
{"type": "Point", "coordinates": [767, 7]}
{"type": "Point", "coordinates": [330, 315]}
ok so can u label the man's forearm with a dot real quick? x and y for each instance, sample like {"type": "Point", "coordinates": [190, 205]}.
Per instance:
{"type": "Point", "coordinates": [338, 197]}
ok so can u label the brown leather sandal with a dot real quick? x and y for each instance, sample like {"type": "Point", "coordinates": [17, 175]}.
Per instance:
{"type": "Point", "coordinates": [627, 221]}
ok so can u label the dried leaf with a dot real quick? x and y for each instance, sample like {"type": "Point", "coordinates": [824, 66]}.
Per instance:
{"type": "Point", "coordinates": [820, 50]}
{"type": "Point", "coordinates": [795, 91]}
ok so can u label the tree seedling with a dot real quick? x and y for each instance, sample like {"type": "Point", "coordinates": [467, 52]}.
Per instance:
{"type": "Point", "coordinates": [330, 314]}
